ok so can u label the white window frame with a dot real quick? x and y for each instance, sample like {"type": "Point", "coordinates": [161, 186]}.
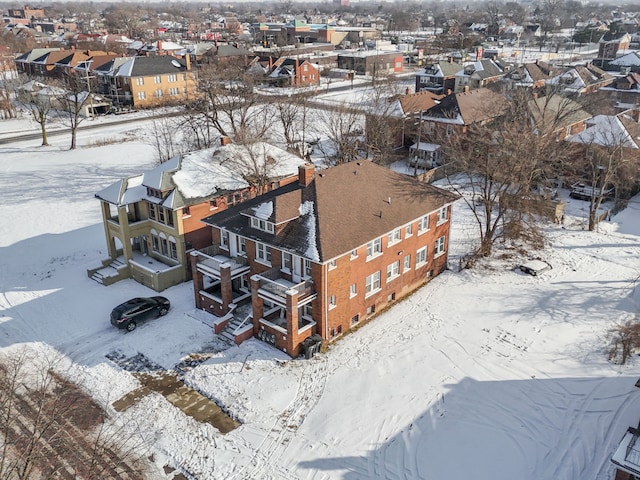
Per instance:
{"type": "Point", "coordinates": [374, 248]}
{"type": "Point", "coordinates": [439, 248]}
{"type": "Point", "coordinates": [353, 290]}
{"type": "Point", "coordinates": [332, 302]}
{"type": "Point", "coordinates": [420, 253]}
{"type": "Point", "coordinates": [423, 225]}
{"type": "Point", "coordinates": [393, 271]}
{"type": "Point", "coordinates": [158, 93]}
{"type": "Point", "coordinates": [172, 77]}
{"type": "Point", "coordinates": [333, 264]}
{"type": "Point", "coordinates": [157, 79]}
{"type": "Point", "coordinates": [354, 254]}
{"type": "Point", "coordinates": [372, 284]}
{"type": "Point", "coordinates": [263, 225]}
{"type": "Point", "coordinates": [408, 231]}
{"type": "Point", "coordinates": [224, 239]}
{"type": "Point", "coordinates": [394, 237]}
{"type": "Point", "coordinates": [263, 253]}
{"type": "Point", "coordinates": [139, 81]}
{"type": "Point", "coordinates": [142, 96]}
{"type": "Point", "coordinates": [442, 215]}
{"type": "Point", "coordinates": [406, 263]}
{"type": "Point", "coordinates": [287, 258]}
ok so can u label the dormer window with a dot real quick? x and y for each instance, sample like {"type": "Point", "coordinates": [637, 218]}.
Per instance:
{"type": "Point", "coordinates": [263, 225]}
{"type": "Point", "coordinates": [154, 192]}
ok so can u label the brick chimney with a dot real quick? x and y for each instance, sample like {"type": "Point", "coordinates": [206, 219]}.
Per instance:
{"type": "Point", "coordinates": [187, 61]}
{"type": "Point", "coordinates": [305, 174]}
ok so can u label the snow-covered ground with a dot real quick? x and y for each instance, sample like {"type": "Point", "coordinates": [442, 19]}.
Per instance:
{"type": "Point", "coordinates": [486, 373]}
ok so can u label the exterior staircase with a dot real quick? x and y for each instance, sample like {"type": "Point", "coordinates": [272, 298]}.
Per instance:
{"type": "Point", "coordinates": [241, 319]}
{"type": "Point", "coordinates": [102, 275]}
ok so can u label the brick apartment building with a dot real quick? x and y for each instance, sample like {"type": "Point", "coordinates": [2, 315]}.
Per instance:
{"type": "Point", "coordinates": [321, 255]}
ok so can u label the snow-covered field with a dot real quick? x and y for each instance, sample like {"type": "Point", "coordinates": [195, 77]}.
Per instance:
{"type": "Point", "coordinates": [487, 373]}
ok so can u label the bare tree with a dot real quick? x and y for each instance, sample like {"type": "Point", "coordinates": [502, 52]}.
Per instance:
{"type": "Point", "coordinates": [343, 134]}
{"type": "Point", "coordinates": [8, 84]}
{"type": "Point", "coordinates": [49, 428]}
{"type": "Point", "coordinates": [292, 113]}
{"type": "Point", "coordinates": [607, 159]}
{"type": "Point", "coordinates": [383, 121]}
{"type": "Point", "coordinates": [39, 100]}
{"type": "Point", "coordinates": [625, 341]}
{"type": "Point", "coordinates": [123, 19]}
{"type": "Point", "coordinates": [255, 164]}
{"type": "Point", "coordinates": [495, 166]}
{"type": "Point", "coordinates": [164, 137]}
{"type": "Point", "coordinates": [72, 103]}
{"type": "Point", "coordinates": [229, 101]}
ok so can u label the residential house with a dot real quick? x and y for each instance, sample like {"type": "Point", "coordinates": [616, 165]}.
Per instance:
{"type": "Point", "coordinates": [372, 62]}
{"type": "Point", "coordinates": [324, 254]}
{"type": "Point", "coordinates": [24, 62]}
{"type": "Point", "coordinates": [626, 63]}
{"type": "Point", "coordinates": [626, 90]}
{"type": "Point", "coordinates": [152, 81]}
{"type": "Point", "coordinates": [530, 75]}
{"type": "Point", "coordinates": [581, 80]}
{"type": "Point", "coordinates": [477, 74]}
{"type": "Point", "coordinates": [558, 116]}
{"type": "Point", "coordinates": [609, 46]}
{"type": "Point", "coordinates": [457, 111]}
{"type": "Point", "coordinates": [151, 221]}
{"type": "Point", "coordinates": [613, 140]}
{"type": "Point", "coordinates": [294, 72]}
{"type": "Point", "coordinates": [438, 78]}
{"type": "Point", "coordinates": [407, 109]}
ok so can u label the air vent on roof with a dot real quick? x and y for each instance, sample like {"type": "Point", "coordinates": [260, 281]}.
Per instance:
{"type": "Point", "coordinates": [176, 63]}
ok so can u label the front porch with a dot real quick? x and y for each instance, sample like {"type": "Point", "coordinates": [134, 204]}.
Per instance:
{"type": "Point", "coordinates": [145, 269]}
{"type": "Point", "coordinates": [282, 310]}
{"type": "Point", "coordinates": [219, 281]}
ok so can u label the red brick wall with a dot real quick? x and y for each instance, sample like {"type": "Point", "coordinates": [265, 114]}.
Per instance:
{"type": "Point", "coordinates": [355, 271]}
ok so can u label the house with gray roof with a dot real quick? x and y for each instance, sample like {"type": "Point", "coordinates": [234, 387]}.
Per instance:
{"type": "Point", "coordinates": [322, 255]}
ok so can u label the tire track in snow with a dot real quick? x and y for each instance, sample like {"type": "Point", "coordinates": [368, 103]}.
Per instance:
{"type": "Point", "coordinates": [313, 379]}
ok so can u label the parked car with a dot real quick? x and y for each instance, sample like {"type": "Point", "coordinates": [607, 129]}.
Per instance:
{"type": "Point", "coordinates": [535, 267]}
{"type": "Point", "coordinates": [130, 313]}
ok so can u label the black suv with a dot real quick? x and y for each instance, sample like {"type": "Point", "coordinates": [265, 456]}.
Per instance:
{"type": "Point", "coordinates": [129, 313]}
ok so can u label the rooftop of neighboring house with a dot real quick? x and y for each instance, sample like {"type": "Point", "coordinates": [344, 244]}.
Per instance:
{"type": "Point", "coordinates": [482, 68]}
{"type": "Point", "coordinates": [51, 57]}
{"type": "Point", "coordinates": [442, 69]}
{"type": "Point", "coordinates": [580, 77]}
{"type": "Point", "coordinates": [340, 209]}
{"type": "Point", "coordinates": [554, 112]}
{"type": "Point", "coordinates": [610, 131]}
{"type": "Point", "coordinates": [418, 102]}
{"type": "Point", "coordinates": [469, 107]}
{"type": "Point", "coordinates": [631, 59]}
{"type": "Point", "coordinates": [196, 176]}
{"type": "Point", "coordinates": [154, 65]}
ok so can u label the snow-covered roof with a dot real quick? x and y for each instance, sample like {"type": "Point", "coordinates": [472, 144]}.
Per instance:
{"type": "Point", "coordinates": [202, 174]}
{"type": "Point", "coordinates": [425, 147]}
{"type": "Point", "coordinates": [628, 60]}
{"type": "Point", "coordinates": [606, 131]}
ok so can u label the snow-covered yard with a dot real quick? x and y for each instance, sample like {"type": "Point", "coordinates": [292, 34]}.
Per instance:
{"type": "Point", "coordinates": [486, 373]}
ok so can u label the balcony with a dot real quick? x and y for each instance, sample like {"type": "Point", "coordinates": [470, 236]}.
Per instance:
{"type": "Point", "coordinates": [275, 287]}
{"type": "Point", "coordinates": [211, 259]}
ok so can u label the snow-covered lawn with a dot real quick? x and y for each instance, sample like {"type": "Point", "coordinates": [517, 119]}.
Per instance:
{"type": "Point", "coordinates": [486, 373]}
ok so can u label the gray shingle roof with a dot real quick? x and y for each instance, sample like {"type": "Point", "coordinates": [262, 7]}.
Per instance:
{"type": "Point", "coordinates": [343, 208]}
